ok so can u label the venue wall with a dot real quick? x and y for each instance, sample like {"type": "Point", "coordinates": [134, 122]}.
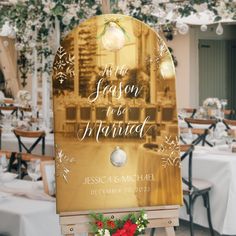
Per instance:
{"type": "Point", "coordinates": [185, 49]}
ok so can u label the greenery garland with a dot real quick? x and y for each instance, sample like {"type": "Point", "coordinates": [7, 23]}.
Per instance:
{"type": "Point", "coordinates": [34, 20]}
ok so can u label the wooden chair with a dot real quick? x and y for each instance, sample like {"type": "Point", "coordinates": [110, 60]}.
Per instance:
{"type": "Point", "coordinates": [18, 162]}
{"type": "Point", "coordinates": [23, 110]}
{"type": "Point", "coordinates": [8, 101]}
{"type": "Point", "coordinates": [71, 119]}
{"type": "Point", "coordinates": [210, 123]}
{"type": "Point", "coordinates": [201, 132]}
{"type": "Point", "coordinates": [229, 113]}
{"type": "Point", "coordinates": [38, 135]}
{"type": "Point", "coordinates": [190, 111]}
{"type": "Point", "coordinates": [194, 188]}
{"type": "Point", "coordinates": [229, 123]}
{"type": "Point", "coordinates": [11, 109]}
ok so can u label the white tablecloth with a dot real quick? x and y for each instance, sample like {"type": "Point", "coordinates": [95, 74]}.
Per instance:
{"type": "Point", "coordinates": [218, 166]}
{"type": "Point", "coordinates": [10, 143]}
{"type": "Point", "coordinates": [21, 216]}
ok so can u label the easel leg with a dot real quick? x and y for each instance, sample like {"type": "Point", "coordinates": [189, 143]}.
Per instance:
{"type": "Point", "coordinates": [170, 231]}
{"type": "Point", "coordinates": [152, 232]}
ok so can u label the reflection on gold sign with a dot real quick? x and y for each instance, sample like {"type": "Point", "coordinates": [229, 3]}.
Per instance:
{"type": "Point", "coordinates": [114, 105]}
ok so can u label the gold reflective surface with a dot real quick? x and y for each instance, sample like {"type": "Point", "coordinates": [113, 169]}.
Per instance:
{"type": "Point", "coordinates": [115, 118]}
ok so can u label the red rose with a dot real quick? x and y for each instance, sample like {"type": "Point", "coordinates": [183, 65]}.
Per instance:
{"type": "Point", "coordinates": [130, 228]}
{"type": "Point", "coordinates": [111, 224]}
{"type": "Point", "coordinates": [120, 232]}
{"type": "Point", "coordinates": [127, 224]}
{"type": "Point", "coordinates": [99, 224]}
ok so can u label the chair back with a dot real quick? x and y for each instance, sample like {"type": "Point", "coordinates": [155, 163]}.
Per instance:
{"type": "Point", "coordinates": [23, 110]}
{"type": "Point", "coordinates": [11, 109]}
{"type": "Point", "coordinates": [8, 101]}
{"type": "Point", "coordinates": [210, 122]}
{"type": "Point", "coordinates": [187, 150]}
{"type": "Point", "coordinates": [229, 123]}
{"type": "Point", "coordinates": [201, 132]}
{"type": "Point", "coordinates": [38, 135]}
{"type": "Point", "coordinates": [229, 113]}
{"type": "Point", "coordinates": [190, 111]}
{"type": "Point", "coordinates": [18, 162]}
{"type": "Point", "coordinates": [8, 108]}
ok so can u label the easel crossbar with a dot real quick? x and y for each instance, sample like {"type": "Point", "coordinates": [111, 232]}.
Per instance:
{"type": "Point", "coordinates": [166, 216]}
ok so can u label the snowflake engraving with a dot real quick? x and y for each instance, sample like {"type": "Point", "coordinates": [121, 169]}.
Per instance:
{"type": "Point", "coordinates": [158, 55]}
{"type": "Point", "coordinates": [63, 65]}
{"type": "Point", "coordinates": [170, 150]}
{"type": "Point", "coordinates": [63, 164]}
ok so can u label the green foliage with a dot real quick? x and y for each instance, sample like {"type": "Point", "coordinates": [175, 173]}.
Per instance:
{"type": "Point", "coordinates": [99, 223]}
{"type": "Point", "coordinates": [33, 20]}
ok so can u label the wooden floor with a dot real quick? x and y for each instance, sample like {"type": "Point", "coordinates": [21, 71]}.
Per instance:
{"type": "Point", "coordinates": [183, 230]}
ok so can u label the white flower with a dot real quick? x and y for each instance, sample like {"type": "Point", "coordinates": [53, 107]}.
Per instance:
{"type": "Point", "coordinates": [136, 3]}
{"type": "Point", "coordinates": [48, 6]}
{"type": "Point", "coordinates": [170, 7]}
{"type": "Point", "coordinates": [32, 44]}
{"type": "Point", "coordinates": [66, 20]}
{"type": "Point", "coordinates": [145, 9]}
{"type": "Point", "coordinates": [23, 98]}
{"type": "Point", "coordinates": [102, 232]}
{"type": "Point", "coordinates": [7, 30]}
{"type": "Point", "coordinates": [160, 13]}
{"type": "Point", "coordinates": [19, 46]}
{"type": "Point", "coordinates": [145, 216]}
{"type": "Point", "coordinates": [212, 103]}
{"type": "Point", "coordinates": [13, 1]}
{"type": "Point", "coordinates": [122, 5]}
{"type": "Point", "coordinates": [106, 233]}
{"type": "Point", "coordinates": [200, 7]}
{"type": "Point", "coordinates": [157, 2]}
{"type": "Point", "coordinates": [72, 11]}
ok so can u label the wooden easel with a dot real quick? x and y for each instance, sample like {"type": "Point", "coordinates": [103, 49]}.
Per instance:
{"type": "Point", "coordinates": [163, 216]}
{"type": "Point", "coordinates": [159, 217]}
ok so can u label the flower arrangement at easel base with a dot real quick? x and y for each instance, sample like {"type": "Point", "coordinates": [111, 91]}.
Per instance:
{"type": "Point", "coordinates": [129, 225]}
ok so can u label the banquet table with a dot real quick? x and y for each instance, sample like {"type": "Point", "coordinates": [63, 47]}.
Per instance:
{"type": "Point", "coordinates": [21, 216]}
{"type": "Point", "coordinates": [218, 166]}
{"type": "Point", "coordinates": [10, 143]}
